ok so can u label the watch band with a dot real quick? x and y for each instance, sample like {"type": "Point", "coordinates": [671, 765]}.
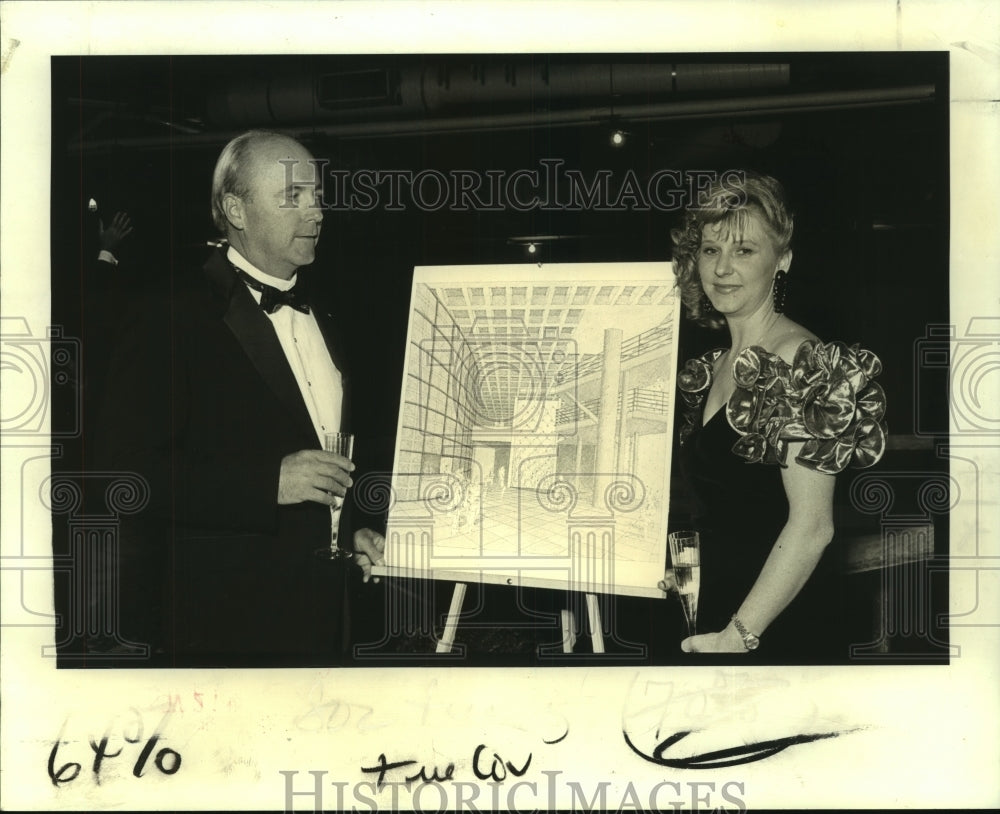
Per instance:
{"type": "Point", "coordinates": [750, 641]}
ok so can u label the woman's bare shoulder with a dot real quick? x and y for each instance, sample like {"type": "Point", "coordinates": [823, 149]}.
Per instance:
{"type": "Point", "coordinates": [790, 340]}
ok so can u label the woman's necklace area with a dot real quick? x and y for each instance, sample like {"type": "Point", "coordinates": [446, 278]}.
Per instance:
{"type": "Point", "coordinates": [725, 362]}
{"type": "Point", "coordinates": [767, 329]}
{"type": "Point", "coordinates": [723, 384]}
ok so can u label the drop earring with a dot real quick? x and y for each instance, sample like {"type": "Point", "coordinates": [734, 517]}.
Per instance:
{"type": "Point", "coordinates": [780, 290]}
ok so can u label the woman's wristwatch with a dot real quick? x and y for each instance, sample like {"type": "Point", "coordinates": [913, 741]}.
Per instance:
{"type": "Point", "coordinates": [750, 641]}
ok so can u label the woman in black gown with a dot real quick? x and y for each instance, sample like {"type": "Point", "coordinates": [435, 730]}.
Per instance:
{"type": "Point", "coordinates": [769, 421]}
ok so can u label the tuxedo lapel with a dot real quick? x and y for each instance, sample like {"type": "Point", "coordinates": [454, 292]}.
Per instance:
{"type": "Point", "coordinates": [256, 335]}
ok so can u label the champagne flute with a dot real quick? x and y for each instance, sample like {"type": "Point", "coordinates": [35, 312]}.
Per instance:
{"type": "Point", "coordinates": [685, 560]}
{"type": "Point", "coordinates": [343, 444]}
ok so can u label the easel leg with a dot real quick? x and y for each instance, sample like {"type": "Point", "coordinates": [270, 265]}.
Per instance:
{"type": "Point", "coordinates": [568, 630]}
{"type": "Point", "coordinates": [594, 617]}
{"type": "Point", "coordinates": [451, 624]}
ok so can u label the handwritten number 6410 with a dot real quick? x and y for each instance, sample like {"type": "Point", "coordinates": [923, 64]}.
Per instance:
{"type": "Point", "coordinates": [167, 760]}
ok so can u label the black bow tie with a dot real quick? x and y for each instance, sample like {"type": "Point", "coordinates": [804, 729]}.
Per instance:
{"type": "Point", "coordinates": [271, 298]}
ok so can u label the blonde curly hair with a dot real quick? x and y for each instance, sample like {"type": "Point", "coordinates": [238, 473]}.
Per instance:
{"type": "Point", "coordinates": [731, 201]}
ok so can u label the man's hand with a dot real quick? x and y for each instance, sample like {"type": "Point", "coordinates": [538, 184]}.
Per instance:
{"type": "Point", "coordinates": [368, 549]}
{"type": "Point", "coordinates": [120, 228]}
{"type": "Point", "coordinates": [316, 475]}
{"type": "Point", "coordinates": [668, 583]}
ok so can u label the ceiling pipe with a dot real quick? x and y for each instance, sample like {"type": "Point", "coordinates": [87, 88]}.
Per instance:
{"type": "Point", "coordinates": [590, 116]}
{"type": "Point", "coordinates": [436, 87]}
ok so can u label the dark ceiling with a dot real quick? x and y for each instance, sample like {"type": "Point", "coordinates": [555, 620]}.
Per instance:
{"type": "Point", "coordinates": [149, 102]}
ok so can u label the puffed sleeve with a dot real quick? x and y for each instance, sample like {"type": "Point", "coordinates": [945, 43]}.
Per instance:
{"type": "Point", "coordinates": [827, 398]}
{"type": "Point", "coordinates": [694, 381]}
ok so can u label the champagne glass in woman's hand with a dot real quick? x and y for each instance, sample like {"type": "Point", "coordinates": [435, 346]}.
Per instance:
{"type": "Point", "coordinates": [343, 444]}
{"type": "Point", "coordinates": [685, 562]}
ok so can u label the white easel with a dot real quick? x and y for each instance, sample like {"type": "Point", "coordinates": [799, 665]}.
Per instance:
{"type": "Point", "coordinates": [567, 619]}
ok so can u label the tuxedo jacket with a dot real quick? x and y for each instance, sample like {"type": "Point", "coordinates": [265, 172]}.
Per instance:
{"type": "Point", "coordinates": [201, 402]}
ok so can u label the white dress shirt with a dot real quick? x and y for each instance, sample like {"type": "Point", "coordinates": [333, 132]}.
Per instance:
{"type": "Point", "coordinates": [305, 349]}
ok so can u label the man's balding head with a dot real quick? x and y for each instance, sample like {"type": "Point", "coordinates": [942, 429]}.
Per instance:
{"type": "Point", "coordinates": [232, 171]}
{"type": "Point", "coordinates": [265, 198]}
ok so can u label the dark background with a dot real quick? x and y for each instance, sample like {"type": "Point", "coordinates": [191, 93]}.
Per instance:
{"type": "Point", "coordinates": [859, 139]}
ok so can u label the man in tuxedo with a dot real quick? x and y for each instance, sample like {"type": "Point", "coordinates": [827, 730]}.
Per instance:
{"type": "Point", "coordinates": [219, 398]}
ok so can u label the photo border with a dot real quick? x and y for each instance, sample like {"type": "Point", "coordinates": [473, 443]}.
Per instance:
{"type": "Point", "coordinates": [926, 739]}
